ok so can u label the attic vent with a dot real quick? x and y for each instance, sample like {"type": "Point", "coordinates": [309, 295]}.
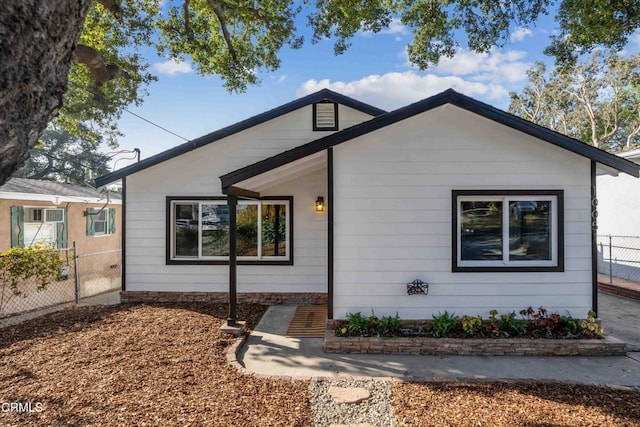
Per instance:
{"type": "Point", "coordinates": [325, 116]}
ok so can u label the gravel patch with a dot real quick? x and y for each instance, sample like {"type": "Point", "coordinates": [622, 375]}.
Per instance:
{"type": "Point", "coordinates": [377, 410]}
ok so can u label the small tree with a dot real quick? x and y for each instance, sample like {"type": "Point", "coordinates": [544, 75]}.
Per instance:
{"type": "Point", "coordinates": [23, 267]}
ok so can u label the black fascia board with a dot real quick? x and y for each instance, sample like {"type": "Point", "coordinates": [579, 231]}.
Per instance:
{"type": "Point", "coordinates": [449, 96]}
{"type": "Point", "coordinates": [322, 95]}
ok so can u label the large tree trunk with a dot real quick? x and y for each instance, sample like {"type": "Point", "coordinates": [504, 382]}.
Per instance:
{"type": "Point", "coordinates": [37, 38]}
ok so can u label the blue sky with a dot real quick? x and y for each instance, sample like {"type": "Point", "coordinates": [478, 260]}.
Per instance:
{"type": "Point", "coordinates": [374, 70]}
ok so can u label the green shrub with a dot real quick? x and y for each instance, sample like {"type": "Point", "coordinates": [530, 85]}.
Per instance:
{"type": "Point", "coordinates": [444, 323]}
{"type": "Point", "coordinates": [471, 326]}
{"type": "Point", "coordinates": [590, 327]}
{"type": "Point", "coordinates": [357, 325]}
{"type": "Point", "coordinates": [390, 326]}
{"type": "Point", "coordinates": [509, 325]}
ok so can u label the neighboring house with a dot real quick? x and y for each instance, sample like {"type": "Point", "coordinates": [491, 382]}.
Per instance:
{"type": "Point", "coordinates": [339, 201]}
{"type": "Point", "coordinates": [619, 202]}
{"type": "Point", "coordinates": [45, 212]}
{"type": "Point", "coordinates": [37, 211]}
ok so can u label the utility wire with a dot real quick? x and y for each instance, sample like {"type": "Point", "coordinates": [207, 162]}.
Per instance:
{"type": "Point", "coordinates": [156, 125]}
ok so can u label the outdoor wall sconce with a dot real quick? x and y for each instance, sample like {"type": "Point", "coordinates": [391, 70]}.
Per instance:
{"type": "Point", "coordinates": [320, 204]}
{"type": "Point", "coordinates": [417, 287]}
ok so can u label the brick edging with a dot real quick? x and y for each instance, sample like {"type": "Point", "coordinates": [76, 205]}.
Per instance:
{"type": "Point", "coordinates": [609, 346]}
{"type": "Point", "coordinates": [619, 290]}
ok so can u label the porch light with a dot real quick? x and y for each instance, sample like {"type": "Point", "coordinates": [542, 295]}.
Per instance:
{"type": "Point", "coordinates": [320, 204]}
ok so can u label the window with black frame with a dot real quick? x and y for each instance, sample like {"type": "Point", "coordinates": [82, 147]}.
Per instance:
{"type": "Point", "coordinates": [200, 230]}
{"type": "Point", "coordinates": [512, 230]}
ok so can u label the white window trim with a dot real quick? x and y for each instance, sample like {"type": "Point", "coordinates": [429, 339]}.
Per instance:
{"type": "Point", "coordinates": [506, 199]}
{"type": "Point", "coordinates": [107, 232]}
{"type": "Point", "coordinates": [259, 257]}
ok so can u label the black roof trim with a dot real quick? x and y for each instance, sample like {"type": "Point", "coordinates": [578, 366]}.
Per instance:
{"type": "Point", "coordinates": [321, 95]}
{"type": "Point", "coordinates": [449, 96]}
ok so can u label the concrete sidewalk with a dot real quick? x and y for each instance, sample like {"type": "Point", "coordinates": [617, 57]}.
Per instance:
{"type": "Point", "coordinates": [268, 351]}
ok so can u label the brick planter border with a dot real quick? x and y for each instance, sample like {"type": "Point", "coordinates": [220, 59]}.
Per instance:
{"type": "Point", "coordinates": [268, 298]}
{"type": "Point", "coordinates": [609, 346]}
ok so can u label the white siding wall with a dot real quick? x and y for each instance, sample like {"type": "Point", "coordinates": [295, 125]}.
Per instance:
{"type": "Point", "coordinates": [392, 200]}
{"type": "Point", "coordinates": [197, 174]}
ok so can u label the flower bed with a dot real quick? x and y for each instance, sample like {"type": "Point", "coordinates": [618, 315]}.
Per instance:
{"type": "Point", "coordinates": [537, 333]}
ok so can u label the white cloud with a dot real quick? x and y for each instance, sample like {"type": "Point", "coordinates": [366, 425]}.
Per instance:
{"type": "Point", "coordinates": [282, 78]}
{"type": "Point", "coordinates": [495, 66]}
{"type": "Point", "coordinates": [393, 90]}
{"type": "Point", "coordinates": [395, 27]}
{"type": "Point", "coordinates": [635, 38]}
{"type": "Point", "coordinates": [520, 33]}
{"type": "Point", "coordinates": [172, 67]}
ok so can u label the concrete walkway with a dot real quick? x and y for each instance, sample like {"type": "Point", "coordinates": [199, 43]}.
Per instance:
{"type": "Point", "coordinates": [268, 351]}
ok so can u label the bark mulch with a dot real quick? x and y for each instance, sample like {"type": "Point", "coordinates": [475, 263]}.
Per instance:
{"type": "Point", "coordinates": [139, 365]}
{"type": "Point", "coordinates": [495, 405]}
{"type": "Point", "coordinates": [160, 365]}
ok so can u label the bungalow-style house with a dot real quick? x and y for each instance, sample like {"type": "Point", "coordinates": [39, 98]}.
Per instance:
{"type": "Point", "coordinates": [330, 199]}
{"type": "Point", "coordinates": [44, 212]}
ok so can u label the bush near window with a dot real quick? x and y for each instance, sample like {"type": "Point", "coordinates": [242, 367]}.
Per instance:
{"type": "Point", "coordinates": [533, 324]}
{"type": "Point", "coordinates": [36, 265]}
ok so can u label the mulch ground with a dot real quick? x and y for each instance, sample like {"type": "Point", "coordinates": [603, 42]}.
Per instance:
{"type": "Point", "coordinates": [166, 365]}
{"type": "Point", "coordinates": [530, 405]}
{"type": "Point", "coordinates": [139, 365]}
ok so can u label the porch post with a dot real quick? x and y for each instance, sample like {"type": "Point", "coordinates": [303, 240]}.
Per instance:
{"type": "Point", "coordinates": [232, 202]}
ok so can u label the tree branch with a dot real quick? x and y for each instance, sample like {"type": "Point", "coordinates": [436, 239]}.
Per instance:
{"type": "Point", "coordinates": [217, 9]}
{"type": "Point", "coordinates": [100, 71]}
{"type": "Point", "coordinates": [112, 6]}
{"type": "Point", "coordinates": [187, 18]}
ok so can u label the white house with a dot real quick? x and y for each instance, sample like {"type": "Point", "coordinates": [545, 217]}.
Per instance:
{"type": "Point", "coordinates": [339, 201]}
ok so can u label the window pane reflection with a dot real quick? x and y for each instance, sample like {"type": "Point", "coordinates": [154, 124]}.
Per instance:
{"type": "Point", "coordinates": [186, 227]}
{"type": "Point", "coordinates": [481, 231]}
{"type": "Point", "coordinates": [274, 230]}
{"type": "Point", "coordinates": [530, 230]}
{"type": "Point", "coordinates": [215, 230]}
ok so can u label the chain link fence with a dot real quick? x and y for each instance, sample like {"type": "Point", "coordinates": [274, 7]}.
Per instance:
{"type": "Point", "coordinates": [82, 276]}
{"type": "Point", "coordinates": [619, 257]}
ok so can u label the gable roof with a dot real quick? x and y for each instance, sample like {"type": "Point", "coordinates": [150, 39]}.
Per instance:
{"type": "Point", "coordinates": [38, 189]}
{"type": "Point", "coordinates": [449, 96]}
{"type": "Point", "coordinates": [321, 95]}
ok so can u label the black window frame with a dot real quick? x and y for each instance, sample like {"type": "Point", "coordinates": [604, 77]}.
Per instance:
{"type": "Point", "coordinates": [335, 117]}
{"type": "Point", "coordinates": [558, 194]}
{"type": "Point", "coordinates": [170, 260]}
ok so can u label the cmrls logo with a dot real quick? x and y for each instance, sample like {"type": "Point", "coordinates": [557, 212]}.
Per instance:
{"type": "Point", "coordinates": [22, 407]}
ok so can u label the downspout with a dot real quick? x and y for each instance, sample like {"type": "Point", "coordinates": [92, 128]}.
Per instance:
{"type": "Point", "coordinates": [594, 241]}
{"type": "Point", "coordinates": [330, 233]}
{"type": "Point", "coordinates": [232, 202]}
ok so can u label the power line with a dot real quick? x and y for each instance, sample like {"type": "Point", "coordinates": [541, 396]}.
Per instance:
{"type": "Point", "coordinates": [154, 124]}
{"type": "Point", "coordinates": [134, 114]}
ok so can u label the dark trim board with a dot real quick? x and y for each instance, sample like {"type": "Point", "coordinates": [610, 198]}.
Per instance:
{"type": "Point", "coordinates": [330, 200]}
{"type": "Point", "coordinates": [559, 194]}
{"type": "Point", "coordinates": [322, 95]}
{"type": "Point", "coordinates": [594, 240]}
{"type": "Point", "coordinates": [123, 235]}
{"type": "Point", "coordinates": [191, 261]}
{"type": "Point", "coordinates": [447, 97]}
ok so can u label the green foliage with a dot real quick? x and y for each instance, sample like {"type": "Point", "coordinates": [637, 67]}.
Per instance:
{"type": "Point", "coordinates": [590, 327]}
{"type": "Point", "coordinates": [61, 156]}
{"type": "Point", "coordinates": [358, 325]}
{"type": "Point", "coordinates": [390, 326]}
{"type": "Point", "coordinates": [509, 325]}
{"type": "Point", "coordinates": [471, 325]}
{"type": "Point", "coordinates": [21, 267]}
{"type": "Point", "coordinates": [444, 323]}
{"type": "Point", "coordinates": [596, 101]}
